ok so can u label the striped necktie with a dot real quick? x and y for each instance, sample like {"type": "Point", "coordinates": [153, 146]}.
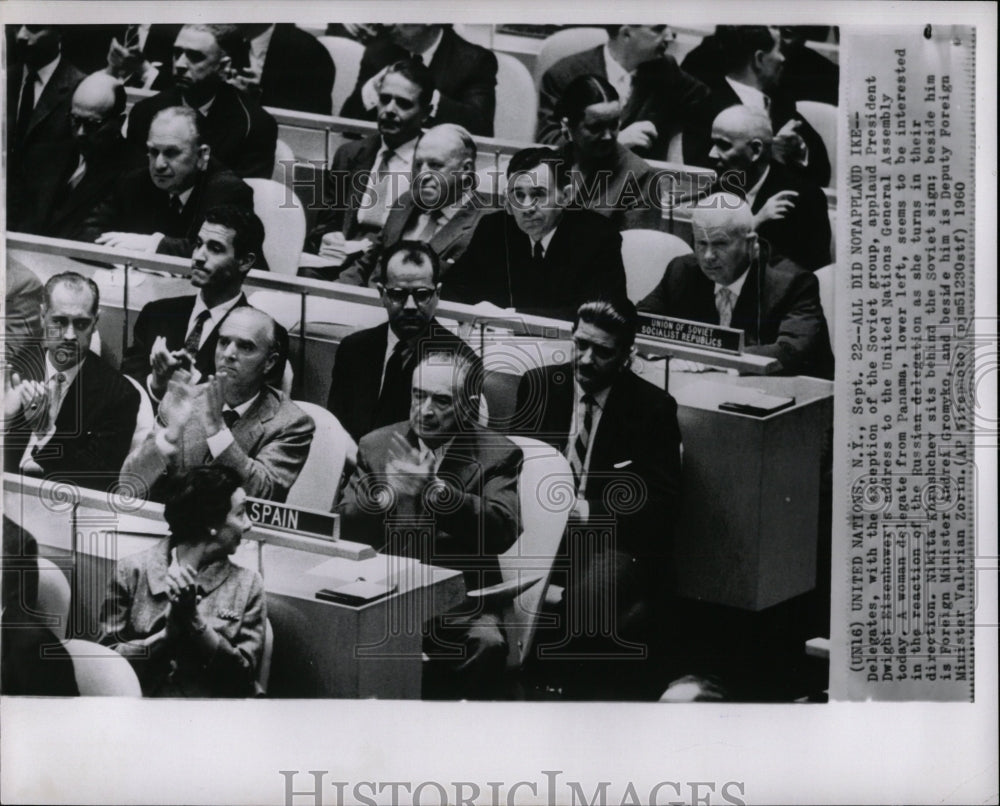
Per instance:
{"type": "Point", "coordinates": [724, 305]}
{"type": "Point", "coordinates": [577, 448]}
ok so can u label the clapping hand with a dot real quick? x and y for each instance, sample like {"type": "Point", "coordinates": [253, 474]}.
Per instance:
{"type": "Point", "coordinates": [28, 398]}
{"type": "Point", "coordinates": [132, 241]}
{"type": "Point", "coordinates": [640, 134]}
{"type": "Point", "coordinates": [178, 403]}
{"type": "Point", "coordinates": [164, 363]}
{"type": "Point", "coordinates": [406, 471]}
{"type": "Point", "coordinates": [214, 391]}
{"type": "Point", "coordinates": [788, 146]}
{"type": "Point", "coordinates": [182, 590]}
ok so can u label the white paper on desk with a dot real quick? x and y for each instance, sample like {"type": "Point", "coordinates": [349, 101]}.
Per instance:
{"type": "Point", "coordinates": [382, 569]}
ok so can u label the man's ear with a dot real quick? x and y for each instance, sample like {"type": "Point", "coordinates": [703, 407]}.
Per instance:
{"type": "Point", "coordinates": [757, 147]}
{"type": "Point", "coordinates": [204, 155]}
{"type": "Point", "coordinates": [564, 195]}
{"type": "Point", "coordinates": [272, 359]}
{"type": "Point", "coordinates": [246, 262]}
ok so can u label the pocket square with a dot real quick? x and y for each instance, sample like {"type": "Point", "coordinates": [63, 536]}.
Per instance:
{"type": "Point", "coordinates": [620, 465]}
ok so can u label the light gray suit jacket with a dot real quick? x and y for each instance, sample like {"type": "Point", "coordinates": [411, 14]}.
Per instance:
{"type": "Point", "coordinates": [270, 445]}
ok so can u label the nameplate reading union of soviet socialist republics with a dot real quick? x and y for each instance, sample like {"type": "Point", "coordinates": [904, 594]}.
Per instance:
{"type": "Point", "coordinates": [692, 334]}
{"type": "Point", "coordinates": [312, 522]}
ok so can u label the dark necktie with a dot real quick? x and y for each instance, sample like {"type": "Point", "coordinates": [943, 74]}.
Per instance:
{"type": "Point", "coordinates": [176, 206]}
{"type": "Point", "coordinates": [418, 58]}
{"type": "Point", "coordinates": [229, 417]}
{"type": "Point", "coordinates": [25, 107]}
{"type": "Point", "coordinates": [394, 399]}
{"type": "Point", "coordinates": [382, 170]}
{"type": "Point", "coordinates": [538, 252]}
{"type": "Point", "coordinates": [193, 340]}
{"type": "Point", "coordinates": [577, 453]}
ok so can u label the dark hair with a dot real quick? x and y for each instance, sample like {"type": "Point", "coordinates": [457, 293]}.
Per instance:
{"type": "Point", "coordinates": [618, 317]}
{"type": "Point", "coordinates": [737, 44]}
{"type": "Point", "coordinates": [415, 253]}
{"type": "Point", "coordinates": [247, 228]}
{"type": "Point", "coordinates": [190, 115]}
{"type": "Point", "coordinates": [74, 280]}
{"type": "Point", "coordinates": [584, 91]}
{"type": "Point", "coordinates": [200, 501]}
{"type": "Point", "coordinates": [416, 72]}
{"type": "Point", "coordinates": [535, 156]}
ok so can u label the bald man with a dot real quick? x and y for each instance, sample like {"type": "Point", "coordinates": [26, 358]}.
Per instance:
{"type": "Point", "coordinates": [60, 193]}
{"type": "Point", "coordinates": [725, 283]}
{"type": "Point", "coordinates": [232, 419]}
{"type": "Point", "coordinates": [790, 213]}
{"type": "Point", "coordinates": [440, 209]}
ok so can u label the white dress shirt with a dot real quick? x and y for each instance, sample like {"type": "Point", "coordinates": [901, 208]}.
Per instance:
{"type": "Point", "coordinates": [618, 77]}
{"type": "Point", "coordinates": [36, 441]}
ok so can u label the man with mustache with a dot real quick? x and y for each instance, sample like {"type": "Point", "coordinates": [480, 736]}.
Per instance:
{"type": "Point", "coordinates": [182, 332]}
{"type": "Point", "coordinates": [242, 136]}
{"type": "Point", "coordinates": [160, 207]}
{"type": "Point", "coordinates": [370, 386]}
{"type": "Point", "coordinates": [68, 416]}
{"type": "Point", "coordinates": [366, 177]}
{"type": "Point", "coordinates": [40, 84]}
{"type": "Point", "coordinates": [233, 419]}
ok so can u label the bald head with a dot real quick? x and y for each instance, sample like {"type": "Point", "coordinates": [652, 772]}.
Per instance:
{"type": "Point", "coordinates": [96, 112]}
{"type": "Point", "coordinates": [722, 226]}
{"type": "Point", "coordinates": [444, 160]}
{"type": "Point", "coordinates": [741, 141]}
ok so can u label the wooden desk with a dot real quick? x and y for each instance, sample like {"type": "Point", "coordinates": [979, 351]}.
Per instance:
{"type": "Point", "coordinates": [321, 649]}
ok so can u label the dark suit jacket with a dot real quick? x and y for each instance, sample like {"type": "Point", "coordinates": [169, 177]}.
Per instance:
{"type": "Point", "coordinates": [778, 308]}
{"type": "Point", "coordinates": [698, 137]}
{"type": "Point", "coordinates": [449, 242]}
{"type": "Point", "coordinates": [241, 134]}
{"type": "Point", "coordinates": [137, 205]}
{"type": "Point", "coordinates": [662, 93]}
{"type": "Point", "coordinates": [478, 516]}
{"type": "Point", "coordinates": [64, 212]}
{"type": "Point", "coordinates": [803, 235]}
{"type": "Point", "coordinates": [357, 376]}
{"type": "Point", "coordinates": [35, 168]}
{"type": "Point", "coordinates": [583, 262]}
{"type": "Point", "coordinates": [343, 190]}
{"type": "Point", "coordinates": [637, 444]}
{"type": "Point", "coordinates": [464, 74]}
{"type": "Point", "coordinates": [94, 426]}
{"type": "Point", "coordinates": [271, 442]}
{"type": "Point", "coordinates": [625, 190]}
{"type": "Point", "coordinates": [298, 72]}
{"type": "Point", "coordinates": [169, 318]}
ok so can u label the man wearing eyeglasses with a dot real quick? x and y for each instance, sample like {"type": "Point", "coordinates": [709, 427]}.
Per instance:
{"type": "Point", "coordinates": [68, 416]}
{"type": "Point", "coordinates": [621, 438]}
{"type": "Point", "coordinates": [66, 192]}
{"type": "Point", "coordinates": [371, 379]}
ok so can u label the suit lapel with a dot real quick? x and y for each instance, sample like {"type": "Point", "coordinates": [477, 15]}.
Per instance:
{"type": "Point", "coordinates": [54, 92]}
{"type": "Point", "coordinates": [463, 220]}
{"type": "Point", "coordinates": [745, 309]}
{"type": "Point", "coordinates": [367, 151]}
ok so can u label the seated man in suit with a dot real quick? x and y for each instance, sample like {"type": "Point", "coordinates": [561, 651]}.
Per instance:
{"type": "Point", "coordinates": [726, 283]}
{"type": "Point", "coordinates": [790, 212]}
{"type": "Point", "coordinates": [68, 416]}
{"type": "Point", "coordinates": [443, 467]}
{"type": "Point", "coordinates": [441, 208]}
{"type": "Point", "coordinates": [621, 437]}
{"type": "Point", "coordinates": [285, 68]}
{"type": "Point", "coordinates": [233, 419]}
{"type": "Point", "coordinates": [241, 135]}
{"type": "Point", "coordinates": [373, 368]}
{"type": "Point", "coordinates": [367, 176]}
{"type": "Point", "coordinates": [182, 332]}
{"type": "Point", "coordinates": [160, 208]}
{"type": "Point", "coordinates": [752, 63]}
{"type": "Point", "coordinates": [91, 169]}
{"type": "Point", "coordinates": [40, 83]}
{"type": "Point", "coordinates": [658, 98]}
{"type": "Point", "coordinates": [541, 256]}
{"type": "Point", "coordinates": [464, 75]}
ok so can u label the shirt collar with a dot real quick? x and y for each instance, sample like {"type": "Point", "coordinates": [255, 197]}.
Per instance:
{"type": "Point", "coordinates": [217, 312]}
{"type": "Point", "coordinates": [751, 194]}
{"type": "Point", "coordinates": [402, 153]}
{"type": "Point", "coordinates": [546, 240]}
{"type": "Point", "coordinates": [736, 286]}
{"type": "Point", "coordinates": [69, 374]}
{"type": "Point", "coordinates": [243, 407]}
{"type": "Point", "coordinates": [616, 73]}
{"type": "Point", "coordinates": [600, 397]}
{"type": "Point", "coordinates": [185, 195]}
{"type": "Point", "coordinates": [45, 73]}
{"type": "Point", "coordinates": [438, 452]}
{"type": "Point", "coordinates": [750, 96]}
{"type": "Point", "coordinates": [446, 214]}
{"type": "Point", "coordinates": [428, 55]}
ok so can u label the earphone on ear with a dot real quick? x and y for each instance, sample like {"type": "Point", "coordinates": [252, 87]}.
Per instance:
{"type": "Point", "coordinates": [213, 532]}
